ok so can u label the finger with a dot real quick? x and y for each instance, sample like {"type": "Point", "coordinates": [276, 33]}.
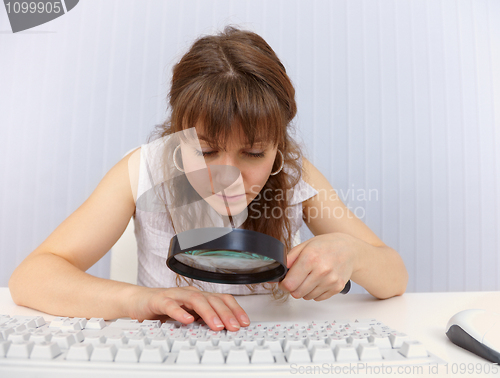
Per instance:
{"type": "Point", "coordinates": [192, 312]}
{"type": "Point", "coordinates": [237, 310]}
{"type": "Point", "coordinates": [225, 314]}
{"type": "Point", "coordinates": [309, 284]}
{"type": "Point", "coordinates": [192, 288]}
{"type": "Point", "coordinates": [316, 292]}
{"type": "Point", "coordinates": [325, 295]}
{"type": "Point", "coordinates": [175, 311]}
{"type": "Point", "coordinates": [295, 276]}
{"type": "Point", "coordinates": [335, 289]}
{"type": "Point", "coordinates": [294, 253]}
{"type": "Point", "coordinates": [198, 302]}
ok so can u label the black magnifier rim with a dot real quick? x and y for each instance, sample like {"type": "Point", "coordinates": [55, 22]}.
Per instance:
{"type": "Point", "coordinates": [236, 240]}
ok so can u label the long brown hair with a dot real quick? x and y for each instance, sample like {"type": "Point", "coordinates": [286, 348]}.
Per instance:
{"type": "Point", "coordinates": [235, 78]}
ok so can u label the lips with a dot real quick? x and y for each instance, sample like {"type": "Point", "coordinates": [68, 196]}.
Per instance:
{"type": "Point", "coordinates": [231, 198]}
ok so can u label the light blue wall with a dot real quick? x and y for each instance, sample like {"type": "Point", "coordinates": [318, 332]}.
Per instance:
{"type": "Point", "coordinates": [398, 97]}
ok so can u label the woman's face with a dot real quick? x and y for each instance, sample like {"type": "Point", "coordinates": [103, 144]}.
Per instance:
{"type": "Point", "coordinates": [225, 185]}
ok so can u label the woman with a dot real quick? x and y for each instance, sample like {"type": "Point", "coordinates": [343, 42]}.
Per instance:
{"type": "Point", "coordinates": [234, 92]}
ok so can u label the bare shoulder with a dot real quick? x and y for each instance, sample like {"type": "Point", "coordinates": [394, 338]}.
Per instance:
{"type": "Point", "coordinates": [312, 176]}
{"type": "Point", "coordinates": [134, 160]}
{"type": "Point", "coordinates": [326, 213]}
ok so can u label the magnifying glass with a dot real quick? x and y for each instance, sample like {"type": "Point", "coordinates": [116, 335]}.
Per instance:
{"type": "Point", "coordinates": [237, 257]}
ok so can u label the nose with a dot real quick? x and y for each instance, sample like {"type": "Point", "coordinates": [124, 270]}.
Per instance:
{"type": "Point", "coordinates": [226, 159]}
{"type": "Point", "coordinates": [224, 172]}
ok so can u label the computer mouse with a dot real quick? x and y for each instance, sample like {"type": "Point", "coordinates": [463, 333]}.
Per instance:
{"type": "Point", "coordinates": [478, 331]}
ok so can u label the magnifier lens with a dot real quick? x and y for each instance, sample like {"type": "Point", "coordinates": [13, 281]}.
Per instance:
{"type": "Point", "coordinates": [227, 261]}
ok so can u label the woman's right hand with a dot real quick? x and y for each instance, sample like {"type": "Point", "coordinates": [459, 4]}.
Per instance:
{"type": "Point", "coordinates": [216, 310]}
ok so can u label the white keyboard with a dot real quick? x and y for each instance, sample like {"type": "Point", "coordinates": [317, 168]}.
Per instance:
{"type": "Point", "coordinates": [131, 348]}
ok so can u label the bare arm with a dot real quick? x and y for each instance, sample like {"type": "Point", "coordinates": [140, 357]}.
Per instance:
{"type": "Point", "coordinates": [52, 278]}
{"type": "Point", "coordinates": [343, 248]}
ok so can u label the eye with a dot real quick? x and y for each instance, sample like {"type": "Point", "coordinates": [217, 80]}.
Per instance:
{"type": "Point", "coordinates": [208, 153]}
{"type": "Point", "coordinates": [213, 153]}
{"type": "Point", "coordinates": [255, 155]}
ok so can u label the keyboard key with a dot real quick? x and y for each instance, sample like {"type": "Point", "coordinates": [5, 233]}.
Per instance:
{"type": "Point", "coordinates": [226, 344]}
{"type": "Point", "coordinates": [151, 323]}
{"type": "Point", "coordinates": [334, 340]}
{"type": "Point", "coordinates": [45, 350]}
{"type": "Point", "coordinates": [64, 340]}
{"type": "Point", "coordinates": [152, 354]}
{"type": "Point", "coordinates": [155, 332]}
{"type": "Point", "coordinates": [161, 341]}
{"type": "Point", "coordinates": [355, 340]}
{"type": "Point", "coordinates": [80, 352]}
{"type": "Point", "coordinates": [117, 340]}
{"type": "Point", "coordinates": [398, 338]}
{"type": "Point", "coordinates": [71, 325]}
{"type": "Point", "coordinates": [380, 341]}
{"type": "Point", "coordinates": [213, 355]}
{"type": "Point", "coordinates": [140, 341]}
{"type": "Point", "coordinates": [361, 325]}
{"type": "Point", "coordinates": [345, 353]}
{"type": "Point", "coordinates": [41, 335]}
{"type": "Point", "coordinates": [125, 324]}
{"type": "Point", "coordinates": [262, 355]}
{"type": "Point", "coordinates": [412, 348]}
{"type": "Point", "coordinates": [77, 335]}
{"type": "Point", "coordinates": [18, 337]}
{"type": "Point", "coordinates": [237, 356]}
{"type": "Point", "coordinates": [292, 341]}
{"type": "Point", "coordinates": [249, 344]}
{"type": "Point", "coordinates": [20, 350]}
{"type": "Point", "coordinates": [179, 343]}
{"type": "Point", "coordinates": [135, 332]}
{"type": "Point", "coordinates": [273, 343]}
{"type": "Point", "coordinates": [322, 353]}
{"type": "Point", "coordinates": [95, 339]}
{"type": "Point", "coordinates": [188, 355]}
{"type": "Point", "coordinates": [312, 341]}
{"type": "Point", "coordinates": [58, 321]}
{"type": "Point", "coordinates": [30, 321]}
{"type": "Point", "coordinates": [128, 353]}
{"type": "Point", "coordinates": [202, 343]}
{"type": "Point", "coordinates": [95, 323]}
{"type": "Point", "coordinates": [4, 347]}
{"type": "Point", "coordinates": [297, 354]}
{"type": "Point", "coordinates": [368, 352]}
{"type": "Point", "coordinates": [104, 352]}
{"type": "Point", "coordinates": [4, 319]}
{"type": "Point", "coordinates": [5, 332]}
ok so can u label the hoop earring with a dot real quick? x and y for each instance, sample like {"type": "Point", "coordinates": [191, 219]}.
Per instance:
{"type": "Point", "coordinates": [281, 167]}
{"type": "Point", "coordinates": [173, 157]}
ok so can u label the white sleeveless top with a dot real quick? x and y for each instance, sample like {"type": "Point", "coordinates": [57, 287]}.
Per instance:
{"type": "Point", "coordinates": [153, 232]}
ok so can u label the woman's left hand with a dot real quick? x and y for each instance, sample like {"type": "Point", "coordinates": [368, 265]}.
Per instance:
{"type": "Point", "coordinates": [320, 267]}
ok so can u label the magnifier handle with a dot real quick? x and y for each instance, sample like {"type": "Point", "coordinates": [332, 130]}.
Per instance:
{"type": "Point", "coordinates": [346, 288]}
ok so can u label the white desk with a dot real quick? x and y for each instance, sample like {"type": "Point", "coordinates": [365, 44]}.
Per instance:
{"type": "Point", "coordinates": [423, 316]}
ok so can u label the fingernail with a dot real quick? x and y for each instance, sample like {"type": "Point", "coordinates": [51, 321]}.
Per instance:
{"type": "Point", "coordinates": [218, 322]}
{"type": "Point", "coordinates": [187, 316]}
{"type": "Point", "coordinates": [234, 322]}
{"type": "Point", "coordinates": [245, 319]}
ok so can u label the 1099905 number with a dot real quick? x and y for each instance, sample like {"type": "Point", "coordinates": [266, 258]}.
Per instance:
{"type": "Point", "coordinates": [33, 7]}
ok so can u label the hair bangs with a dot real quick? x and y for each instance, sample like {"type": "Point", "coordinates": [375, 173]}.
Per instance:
{"type": "Point", "coordinates": [232, 107]}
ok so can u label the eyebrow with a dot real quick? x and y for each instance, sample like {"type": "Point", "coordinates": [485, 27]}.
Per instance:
{"type": "Point", "coordinates": [203, 137]}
